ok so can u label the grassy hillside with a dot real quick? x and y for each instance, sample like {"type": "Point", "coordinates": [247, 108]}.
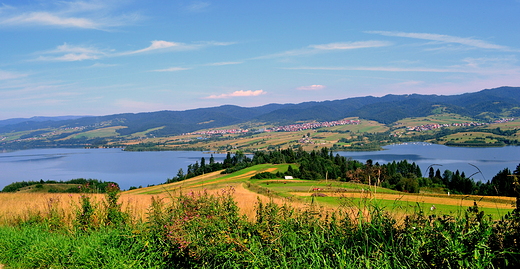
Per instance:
{"type": "Point", "coordinates": [216, 220]}
{"type": "Point", "coordinates": [390, 111]}
{"type": "Point", "coordinates": [329, 193]}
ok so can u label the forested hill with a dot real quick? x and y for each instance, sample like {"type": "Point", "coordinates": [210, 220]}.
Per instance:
{"type": "Point", "coordinates": [486, 104]}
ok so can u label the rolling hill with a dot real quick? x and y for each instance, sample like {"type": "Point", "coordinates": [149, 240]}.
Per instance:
{"type": "Point", "coordinates": [483, 105]}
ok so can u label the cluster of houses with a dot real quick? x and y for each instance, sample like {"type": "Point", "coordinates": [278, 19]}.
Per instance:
{"type": "Point", "coordinates": [310, 125]}
{"type": "Point", "coordinates": [223, 131]}
{"type": "Point", "coordinates": [427, 127]}
{"type": "Point", "coordinates": [285, 128]}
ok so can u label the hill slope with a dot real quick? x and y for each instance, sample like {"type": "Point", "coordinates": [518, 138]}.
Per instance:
{"type": "Point", "coordinates": [486, 104]}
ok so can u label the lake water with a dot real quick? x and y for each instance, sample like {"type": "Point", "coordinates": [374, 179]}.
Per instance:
{"type": "Point", "coordinates": [488, 160]}
{"type": "Point", "coordinates": [124, 167]}
{"type": "Point", "coordinates": [144, 168]}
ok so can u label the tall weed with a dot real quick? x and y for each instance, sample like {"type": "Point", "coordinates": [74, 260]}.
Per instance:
{"type": "Point", "coordinates": [201, 230]}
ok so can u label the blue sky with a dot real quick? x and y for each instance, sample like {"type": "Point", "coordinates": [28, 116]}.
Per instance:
{"type": "Point", "coordinates": [117, 56]}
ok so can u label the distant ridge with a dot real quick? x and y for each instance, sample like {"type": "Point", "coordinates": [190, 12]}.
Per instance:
{"type": "Point", "coordinates": [38, 119]}
{"type": "Point", "coordinates": [484, 105]}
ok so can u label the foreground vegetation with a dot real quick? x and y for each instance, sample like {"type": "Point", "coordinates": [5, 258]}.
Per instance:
{"type": "Point", "coordinates": [203, 230]}
{"type": "Point", "coordinates": [325, 218]}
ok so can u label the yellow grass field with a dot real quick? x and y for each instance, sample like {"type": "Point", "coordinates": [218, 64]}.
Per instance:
{"type": "Point", "coordinates": [247, 192]}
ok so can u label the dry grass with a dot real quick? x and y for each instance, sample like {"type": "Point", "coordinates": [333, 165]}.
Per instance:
{"type": "Point", "coordinates": [16, 207]}
{"type": "Point", "coordinates": [21, 206]}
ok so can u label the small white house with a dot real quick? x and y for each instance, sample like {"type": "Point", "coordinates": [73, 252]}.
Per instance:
{"type": "Point", "coordinates": [289, 177]}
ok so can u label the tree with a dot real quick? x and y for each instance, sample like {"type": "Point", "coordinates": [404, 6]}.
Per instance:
{"type": "Point", "coordinates": [503, 183]}
{"type": "Point", "coordinates": [180, 174]}
{"type": "Point", "coordinates": [202, 166]}
{"type": "Point", "coordinates": [408, 185]}
{"type": "Point", "coordinates": [438, 174]}
{"type": "Point", "coordinates": [228, 162]}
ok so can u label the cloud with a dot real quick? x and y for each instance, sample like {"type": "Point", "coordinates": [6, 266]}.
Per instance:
{"type": "Point", "coordinates": [164, 45]}
{"type": "Point", "coordinates": [386, 69]}
{"type": "Point", "coordinates": [223, 63]}
{"type": "Point", "coordinates": [102, 65]}
{"type": "Point", "coordinates": [4, 75]}
{"type": "Point", "coordinates": [171, 69]}
{"type": "Point", "coordinates": [508, 61]}
{"type": "Point", "coordinates": [445, 39]}
{"type": "Point", "coordinates": [45, 18]}
{"type": "Point", "coordinates": [314, 49]}
{"type": "Point", "coordinates": [91, 14]}
{"type": "Point", "coordinates": [311, 88]}
{"type": "Point", "coordinates": [157, 45]}
{"type": "Point", "coordinates": [197, 6]}
{"type": "Point", "coordinates": [70, 53]}
{"type": "Point", "coordinates": [351, 45]}
{"type": "Point", "coordinates": [70, 57]}
{"type": "Point", "coordinates": [240, 93]}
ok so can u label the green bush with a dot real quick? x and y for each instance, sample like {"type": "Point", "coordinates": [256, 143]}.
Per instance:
{"type": "Point", "coordinates": [199, 230]}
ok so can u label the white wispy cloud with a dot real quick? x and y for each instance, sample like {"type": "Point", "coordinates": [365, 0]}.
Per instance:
{"type": "Point", "coordinates": [160, 44]}
{"type": "Point", "coordinates": [197, 6]}
{"type": "Point", "coordinates": [5, 7]}
{"type": "Point", "coordinates": [4, 75]}
{"type": "Point", "coordinates": [384, 69]}
{"type": "Point", "coordinates": [102, 65]}
{"type": "Point", "coordinates": [171, 69]}
{"type": "Point", "coordinates": [223, 63]}
{"type": "Point", "coordinates": [88, 14]}
{"type": "Point", "coordinates": [314, 49]}
{"type": "Point", "coordinates": [70, 53]}
{"type": "Point", "coordinates": [70, 57]}
{"type": "Point", "coordinates": [178, 46]}
{"type": "Point", "coordinates": [351, 45]}
{"type": "Point", "coordinates": [468, 41]}
{"type": "Point", "coordinates": [507, 61]}
{"type": "Point", "coordinates": [46, 18]}
{"type": "Point", "coordinates": [240, 93]}
{"type": "Point", "coordinates": [490, 70]}
{"type": "Point", "coordinates": [311, 88]}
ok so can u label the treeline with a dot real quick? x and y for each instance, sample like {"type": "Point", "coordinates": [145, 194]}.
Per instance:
{"type": "Point", "coordinates": [230, 164]}
{"type": "Point", "coordinates": [324, 164]}
{"type": "Point", "coordinates": [81, 185]}
{"type": "Point", "coordinates": [54, 142]}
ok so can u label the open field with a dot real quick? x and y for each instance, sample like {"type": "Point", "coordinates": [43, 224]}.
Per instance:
{"type": "Point", "coordinates": [434, 119]}
{"type": "Point", "coordinates": [510, 125]}
{"type": "Point", "coordinates": [306, 139]}
{"type": "Point", "coordinates": [360, 136]}
{"type": "Point", "coordinates": [232, 221]}
{"type": "Point", "coordinates": [101, 133]}
{"type": "Point", "coordinates": [328, 194]}
{"type": "Point", "coordinates": [332, 194]}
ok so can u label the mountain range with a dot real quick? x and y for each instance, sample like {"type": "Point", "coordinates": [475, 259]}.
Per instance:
{"type": "Point", "coordinates": [483, 105]}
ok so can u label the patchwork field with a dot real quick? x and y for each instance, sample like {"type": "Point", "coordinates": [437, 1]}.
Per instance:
{"type": "Point", "coordinates": [327, 194]}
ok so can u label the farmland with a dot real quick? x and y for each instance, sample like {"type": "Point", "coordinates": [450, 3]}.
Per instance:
{"type": "Point", "coordinates": [215, 220]}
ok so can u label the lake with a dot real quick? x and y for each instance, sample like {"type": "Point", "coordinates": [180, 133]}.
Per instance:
{"type": "Point", "coordinates": [146, 168]}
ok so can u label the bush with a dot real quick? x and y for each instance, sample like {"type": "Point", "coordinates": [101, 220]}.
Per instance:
{"type": "Point", "coordinates": [199, 230]}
